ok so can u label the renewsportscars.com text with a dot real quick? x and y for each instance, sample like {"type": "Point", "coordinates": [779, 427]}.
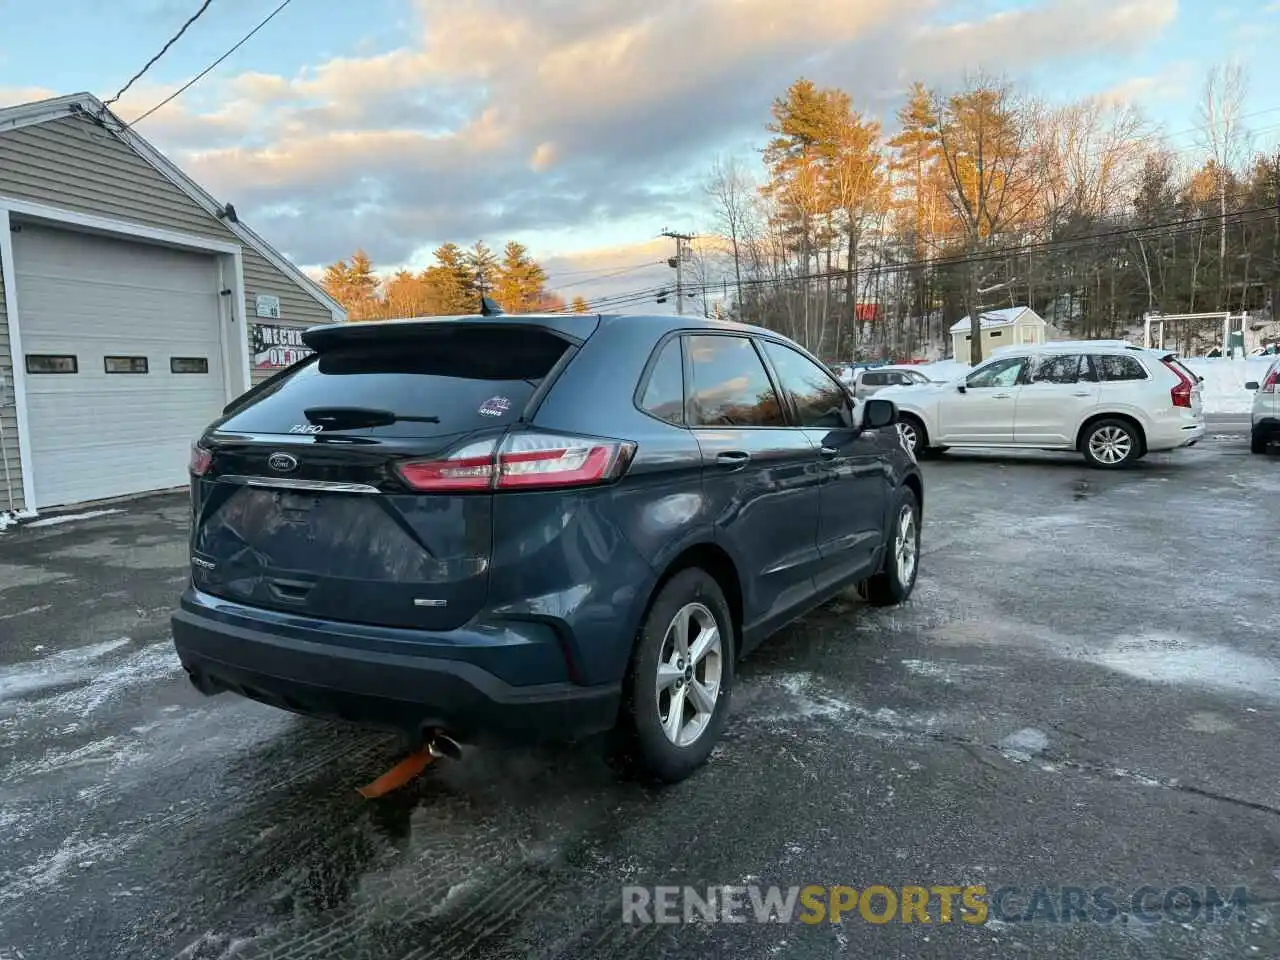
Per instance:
{"type": "Point", "coordinates": [945, 903]}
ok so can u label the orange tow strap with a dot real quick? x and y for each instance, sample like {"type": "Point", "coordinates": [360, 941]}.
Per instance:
{"type": "Point", "coordinates": [399, 775]}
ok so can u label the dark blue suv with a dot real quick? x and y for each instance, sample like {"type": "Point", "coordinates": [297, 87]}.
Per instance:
{"type": "Point", "coordinates": [515, 528]}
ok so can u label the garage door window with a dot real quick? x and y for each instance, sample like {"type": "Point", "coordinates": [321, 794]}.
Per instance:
{"type": "Point", "coordinates": [51, 363]}
{"type": "Point", "coordinates": [125, 364]}
{"type": "Point", "coordinates": [188, 364]}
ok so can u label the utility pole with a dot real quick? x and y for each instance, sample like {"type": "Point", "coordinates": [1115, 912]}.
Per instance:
{"type": "Point", "coordinates": [678, 263]}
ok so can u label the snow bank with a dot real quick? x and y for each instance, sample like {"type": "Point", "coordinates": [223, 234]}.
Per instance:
{"type": "Point", "coordinates": [70, 517]}
{"type": "Point", "coordinates": [943, 369]}
{"type": "Point", "coordinates": [11, 518]}
{"type": "Point", "coordinates": [1224, 379]}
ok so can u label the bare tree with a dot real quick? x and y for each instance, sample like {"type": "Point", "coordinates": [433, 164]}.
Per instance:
{"type": "Point", "coordinates": [732, 191]}
{"type": "Point", "coordinates": [1225, 140]}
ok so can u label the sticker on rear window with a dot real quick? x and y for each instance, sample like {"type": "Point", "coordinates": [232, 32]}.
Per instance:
{"type": "Point", "coordinates": [495, 407]}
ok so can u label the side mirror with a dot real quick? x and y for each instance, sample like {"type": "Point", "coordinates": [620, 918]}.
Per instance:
{"type": "Point", "coordinates": [1251, 385]}
{"type": "Point", "coordinates": [879, 413]}
{"type": "Point", "coordinates": [962, 386]}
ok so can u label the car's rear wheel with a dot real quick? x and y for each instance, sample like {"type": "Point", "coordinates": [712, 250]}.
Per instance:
{"type": "Point", "coordinates": [1110, 444]}
{"type": "Point", "coordinates": [681, 677]}
{"type": "Point", "coordinates": [897, 576]}
{"type": "Point", "coordinates": [1257, 442]}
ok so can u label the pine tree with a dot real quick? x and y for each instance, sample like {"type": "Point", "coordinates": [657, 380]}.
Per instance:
{"type": "Point", "coordinates": [355, 286]}
{"type": "Point", "coordinates": [484, 264]}
{"type": "Point", "coordinates": [453, 281]}
{"type": "Point", "coordinates": [520, 279]}
{"type": "Point", "coordinates": [917, 156]}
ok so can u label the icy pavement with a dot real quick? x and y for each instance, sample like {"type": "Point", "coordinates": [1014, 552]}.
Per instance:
{"type": "Point", "coordinates": [1082, 691]}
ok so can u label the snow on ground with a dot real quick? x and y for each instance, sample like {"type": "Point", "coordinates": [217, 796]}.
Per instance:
{"type": "Point", "coordinates": [68, 517]}
{"type": "Point", "coordinates": [1222, 391]}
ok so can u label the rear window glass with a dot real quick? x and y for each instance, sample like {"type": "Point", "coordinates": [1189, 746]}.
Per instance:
{"type": "Point", "coordinates": [450, 382]}
{"type": "Point", "coordinates": [664, 393]}
{"type": "Point", "coordinates": [1113, 367]}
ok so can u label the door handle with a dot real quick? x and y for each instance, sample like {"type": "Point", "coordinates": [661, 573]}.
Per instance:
{"type": "Point", "coordinates": [733, 458]}
{"type": "Point", "coordinates": [1084, 393]}
{"type": "Point", "coordinates": [828, 453]}
{"type": "Point", "coordinates": [1001, 396]}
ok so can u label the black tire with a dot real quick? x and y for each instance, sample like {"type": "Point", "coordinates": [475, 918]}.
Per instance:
{"type": "Point", "coordinates": [1111, 444]}
{"type": "Point", "coordinates": [650, 749]}
{"type": "Point", "coordinates": [1257, 443]}
{"type": "Point", "coordinates": [888, 587]}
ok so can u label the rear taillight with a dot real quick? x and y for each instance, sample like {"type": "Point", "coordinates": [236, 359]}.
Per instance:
{"type": "Point", "coordinates": [470, 468]}
{"type": "Point", "coordinates": [525, 461]}
{"type": "Point", "coordinates": [201, 460]}
{"type": "Point", "coordinates": [1181, 394]}
{"type": "Point", "coordinates": [1269, 384]}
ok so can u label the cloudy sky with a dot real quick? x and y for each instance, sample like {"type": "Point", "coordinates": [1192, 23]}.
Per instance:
{"type": "Point", "coordinates": [581, 127]}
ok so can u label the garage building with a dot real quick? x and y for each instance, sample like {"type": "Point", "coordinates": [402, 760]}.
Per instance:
{"type": "Point", "coordinates": [133, 306]}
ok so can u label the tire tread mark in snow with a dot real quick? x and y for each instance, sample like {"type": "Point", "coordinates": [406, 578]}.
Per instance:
{"type": "Point", "coordinates": [456, 934]}
{"type": "Point", "coordinates": [353, 926]}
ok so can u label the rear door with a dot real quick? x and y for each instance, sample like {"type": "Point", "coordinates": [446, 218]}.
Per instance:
{"type": "Point", "coordinates": [1060, 392]}
{"type": "Point", "coordinates": [851, 510]}
{"type": "Point", "coordinates": [303, 507]}
{"type": "Point", "coordinates": [762, 478]}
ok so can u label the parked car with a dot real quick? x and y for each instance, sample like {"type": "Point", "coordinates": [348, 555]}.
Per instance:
{"type": "Point", "coordinates": [871, 380]}
{"type": "Point", "coordinates": [526, 528]}
{"type": "Point", "coordinates": [1265, 415]}
{"type": "Point", "coordinates": [1113, 403]}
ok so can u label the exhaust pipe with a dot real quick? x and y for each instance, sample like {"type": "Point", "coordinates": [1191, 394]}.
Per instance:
{"type": "Point", "coordinates": [440, 745]}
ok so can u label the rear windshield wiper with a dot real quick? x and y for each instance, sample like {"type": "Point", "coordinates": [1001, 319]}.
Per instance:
{"type": "Point", "coordinates": [346, 418]}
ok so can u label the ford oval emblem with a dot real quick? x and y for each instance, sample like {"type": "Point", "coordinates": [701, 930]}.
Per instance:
{"type": "Point", "coordinates": [282, 462]}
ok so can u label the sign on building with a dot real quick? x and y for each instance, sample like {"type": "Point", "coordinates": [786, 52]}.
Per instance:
{"type": "Point", "coordinates": [276, 347]}
{"type": "Point", "coordinates": [268, 306]}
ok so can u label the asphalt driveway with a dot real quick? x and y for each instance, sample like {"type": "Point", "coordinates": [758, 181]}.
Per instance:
{"type": "Point", "coordinates": [1082, 692]}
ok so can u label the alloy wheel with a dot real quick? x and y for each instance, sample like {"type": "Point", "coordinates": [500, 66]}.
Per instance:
{"type": "Point", "coordinates": [905, 547]}
{"type": "Point", "coordinates": [1110, 445]}
{"type": "Point", "coordinates": [690, 669]}
{"type": "Point", "coordinates": [908, 434]}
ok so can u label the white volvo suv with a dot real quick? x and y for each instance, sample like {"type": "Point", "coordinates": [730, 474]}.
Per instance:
{"type": "Point", "coordinates": [1108, 400]}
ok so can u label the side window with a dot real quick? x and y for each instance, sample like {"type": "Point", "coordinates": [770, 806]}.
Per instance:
{"type": "Point", "coordinates": [819, 400]}
{"type": "Point", "coordinates": [1059, 369]}
{"type": "Point", "coordinates": [1112, 367]}
{"type": "Point", "coordinates": [997, 373]}
{"type": "Point", "coordinates": [872, 379]}
{"type": "Point", "coordinates": [664, 393]}
{"type": "Point", "coordinates": [730, 387]}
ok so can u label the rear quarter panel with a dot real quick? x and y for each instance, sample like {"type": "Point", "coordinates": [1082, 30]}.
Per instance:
{"type": "Point", "coordinates": [621, 537]}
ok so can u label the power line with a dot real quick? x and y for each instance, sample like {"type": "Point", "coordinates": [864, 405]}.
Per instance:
{"type": "Point", "coordinates": [1183, 227]}
{"type": "Point", "coordinates": [163, 50]}
{"type": "Point", "coordinates": [606, 276]}
{"type": "Point", "coordinates": [597, 270]}
{"type": "Point", "coordinates": [210, 68]}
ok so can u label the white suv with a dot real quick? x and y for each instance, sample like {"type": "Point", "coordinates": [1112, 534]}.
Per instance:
{"type": "Point", "coordinates": [1112, 402]}
{"type": "Point", "coordinates": [1266, 409]}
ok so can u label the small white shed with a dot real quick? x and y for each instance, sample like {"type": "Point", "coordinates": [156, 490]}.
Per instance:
{"type": "Point", "coordinates": [1013, 326]}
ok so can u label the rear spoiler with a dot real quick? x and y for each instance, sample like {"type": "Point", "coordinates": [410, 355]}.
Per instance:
{"type": "Point", "coordinates": [574, 327]}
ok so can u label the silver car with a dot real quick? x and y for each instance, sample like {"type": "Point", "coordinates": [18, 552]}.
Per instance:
{"type": "Point", "coordinates": [872, 379]}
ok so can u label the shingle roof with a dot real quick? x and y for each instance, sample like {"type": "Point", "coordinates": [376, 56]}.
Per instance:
{"type": "Point", "coordinates": [995, 318]}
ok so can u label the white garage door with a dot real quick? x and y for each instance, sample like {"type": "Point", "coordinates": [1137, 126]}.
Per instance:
{"type": "Point", "coordinates": [141, 323]}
